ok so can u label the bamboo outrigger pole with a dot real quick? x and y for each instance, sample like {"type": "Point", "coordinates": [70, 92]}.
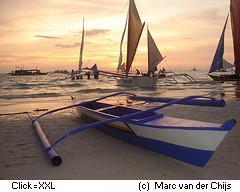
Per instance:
{"type": "Point", "coordinates": [52, 155]}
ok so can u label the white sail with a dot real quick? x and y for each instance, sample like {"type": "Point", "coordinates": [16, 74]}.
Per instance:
{"type": "Point", "coordinates": [121, 55]}
{"type": "Point", "coordinates": [135, 28]}
{"type": "Point", "coordinates": [81, 50]}
{"type": "Point", "coordinates": [154, 55]}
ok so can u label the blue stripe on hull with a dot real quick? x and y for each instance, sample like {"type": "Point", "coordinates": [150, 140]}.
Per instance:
{"type": "Point", "coordinates": [189, 155]}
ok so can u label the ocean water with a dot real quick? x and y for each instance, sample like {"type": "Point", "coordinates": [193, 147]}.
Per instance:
{"type": "Point", "coordinates": [28, 93]}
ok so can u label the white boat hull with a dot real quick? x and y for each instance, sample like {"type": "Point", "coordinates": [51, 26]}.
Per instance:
{"type": "Point", "coordinates": [190, 141]}
{"type": "Point", "coordinates": [205, 140]}
{"type": "Point", "coordinates": [138, 81]}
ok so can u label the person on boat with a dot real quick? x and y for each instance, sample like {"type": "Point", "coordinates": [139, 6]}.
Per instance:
{"type": "Point", "coordinates": [88, 75]}
{"type": "Point", "coordinates": [137, 72]}
{"type": "Point", "coordinates": [72, 75]}
{"type": "Point", "coordinates": [96, 74]}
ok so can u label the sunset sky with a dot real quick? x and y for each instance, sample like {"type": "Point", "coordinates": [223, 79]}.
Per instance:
{"type": "Point", "coordinates": [47, 33]}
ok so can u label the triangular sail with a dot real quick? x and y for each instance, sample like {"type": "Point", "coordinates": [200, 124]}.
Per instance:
{"type": "Point", "coordinates": [135, 28]}
{"type": "Point", "coordinates": [81, 50]}
{"type": "Point", "coordinates": [217, 62]}
{"type": "Point", "coordinates": [121, 55]}
{"type": "Point", "coordinates": [154, 55]}
{"type": "Point", "coordinates": [94, 68]}
{"type": "Point", "coordinates": [122, 67]}
{"type": "Point", "coordinates": [235, 18]}
{"type": "Point", "coordinates": [227, 65]}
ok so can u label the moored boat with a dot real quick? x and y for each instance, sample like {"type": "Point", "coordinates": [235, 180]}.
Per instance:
{"type": "Point", "coordinates": [186, 140]}
{"type": "Point", "coordinates": [135, 29]}
{"type": "Point", "coordinates": [138, 81]}
{"type": "Point", "coordinates": [26, 72]}
{"type": "Point", "coordinates": [219, 68]}
{"type": "Point", "coordinates": [190, 141]}
{"type": "Point", "coordinates": [225, 77]}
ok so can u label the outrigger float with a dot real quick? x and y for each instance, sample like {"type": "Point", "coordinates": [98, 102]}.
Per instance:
{"type": "Point", "coordinates": [186, 140]}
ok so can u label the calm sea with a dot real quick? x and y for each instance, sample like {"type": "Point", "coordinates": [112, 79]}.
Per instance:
{"type": "Point", "coordinates": [26, 93]}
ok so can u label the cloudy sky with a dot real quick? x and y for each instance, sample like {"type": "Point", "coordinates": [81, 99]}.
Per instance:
{"type": "Point", "coordinates": [47, 33]}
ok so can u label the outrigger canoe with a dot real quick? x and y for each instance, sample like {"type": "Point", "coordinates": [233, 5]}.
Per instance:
{"type": "Point", "coordinates": [186, 140]}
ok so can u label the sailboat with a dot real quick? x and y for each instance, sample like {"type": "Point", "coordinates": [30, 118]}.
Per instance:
{"type": "Point", "coordinates": [77, 74]}
{"type": "Point", "coordinates": [219, 68]}
{"type": "Point", "coordinates": [135, 29]}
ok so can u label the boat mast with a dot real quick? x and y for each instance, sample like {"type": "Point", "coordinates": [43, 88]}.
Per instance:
{"type": "Point", "coordinates": [135, 28]}
{"type": "Point", "coordinates": [235, 19]}
{"type": "Point", "coordinates": [81, 50]}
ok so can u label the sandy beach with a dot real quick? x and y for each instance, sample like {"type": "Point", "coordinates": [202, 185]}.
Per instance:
{"type": "Point", "coordinates": [92, 154]}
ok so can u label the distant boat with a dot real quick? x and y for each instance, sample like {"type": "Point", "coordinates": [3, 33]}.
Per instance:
{"type": "Point", "coordinates": [135, 28]}
{"type": "Point", "coordinates": [194, 69]}
{"type": "Point", "coordinates": [77, 74]}
{"type": "Point", "coordinates": [61, 71]}
{"type": "Point", "coordinates": [26, 72]}
{"type": "Point", "coordinates": [219, 68]}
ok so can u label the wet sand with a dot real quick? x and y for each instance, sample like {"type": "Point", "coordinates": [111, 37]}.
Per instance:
{"type": "Point", "coordinates": [92, 154]}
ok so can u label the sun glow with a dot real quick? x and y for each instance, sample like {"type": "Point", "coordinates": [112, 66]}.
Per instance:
{"type": "Point", "coordinates": [48, 33]}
